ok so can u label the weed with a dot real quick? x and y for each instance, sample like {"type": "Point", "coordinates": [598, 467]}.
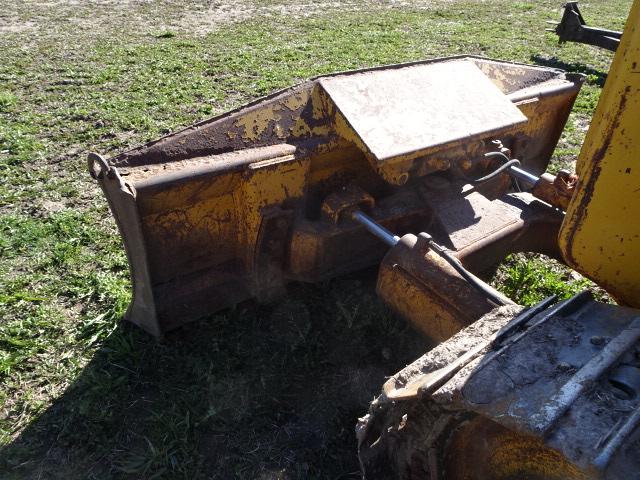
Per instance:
{"type": "Point", "coordinates": [166, 34]}
{"type": "Point", "coordinates": [7, 99]}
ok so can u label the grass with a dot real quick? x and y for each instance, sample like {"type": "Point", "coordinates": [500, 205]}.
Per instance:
{"type": "Point", "coordinates": [527, 279]}
{"type": "Point", "coordinates": [235, 396]}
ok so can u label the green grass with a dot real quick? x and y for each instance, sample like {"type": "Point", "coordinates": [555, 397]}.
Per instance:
{"type": "Point", "coordinates": [84, 396]}
{"type": "Point", "coordinates": [528, 279]}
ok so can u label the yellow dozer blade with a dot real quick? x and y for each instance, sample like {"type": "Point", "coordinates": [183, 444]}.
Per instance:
{"type": "Point", "coordinates": [237, 206]}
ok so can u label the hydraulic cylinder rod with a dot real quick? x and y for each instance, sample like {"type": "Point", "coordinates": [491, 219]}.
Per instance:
{"type": "Point", "coordinates": [523, 175]}
{"type": "Point", "coordinates": [375, 228]}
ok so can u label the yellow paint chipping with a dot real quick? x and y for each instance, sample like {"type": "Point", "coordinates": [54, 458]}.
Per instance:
{"type": "Point", "coordinates": [600, 236]}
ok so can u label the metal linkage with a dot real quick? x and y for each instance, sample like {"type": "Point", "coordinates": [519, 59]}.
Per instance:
{"type": "Point", "coordinates": [375, 228]}
{"type": "Point", "coordinates": [604, 457]}
{"type": "Point", "coordinates": [466, 274]}
{"type": "Point", "coordinates": [523, 175]}
{"type": "Point", "coordinates": [390, 239]}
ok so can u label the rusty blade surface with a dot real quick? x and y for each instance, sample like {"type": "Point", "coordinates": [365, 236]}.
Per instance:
{"type": "Point", "coordinates": [398, 112]}
{"type": "Point", "coordinates": [237, 206]}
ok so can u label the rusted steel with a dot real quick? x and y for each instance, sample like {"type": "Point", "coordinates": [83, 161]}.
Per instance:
{"type": "Point", "coordinates": [321, 249]}
{"type": "Point", "coordinates": [427, 291]}
{"type": "Point", "coordinates": [556, 190]}
{"type": "Point", "coordinates": [399, 115]}
{"type": "Point", "coordinates": [552, 392]}
{"type": "Point", "coordinates": [422, 288]}
{"type": "Point", "coordinates": [480, 232]}
{"type": "Point", "coordinates": [236, 206]}
{"type": "Point", "coordinates": [349, 198]}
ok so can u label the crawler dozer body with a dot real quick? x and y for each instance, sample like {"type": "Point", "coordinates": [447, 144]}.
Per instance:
{"type": "Point", "coordinates": [433, 170]}
{"type": "Point", "coordinates": [601, 235]}
{"type": "Point", "coordinates": [548, 392]}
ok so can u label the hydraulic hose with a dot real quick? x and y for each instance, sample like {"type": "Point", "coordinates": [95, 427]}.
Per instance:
{"type": "Point", "coordinates": [511, 166]}
{"type": "Point", "coordinates": [467, 275]}
{"type": "Point", "coordinates": [497, 171]}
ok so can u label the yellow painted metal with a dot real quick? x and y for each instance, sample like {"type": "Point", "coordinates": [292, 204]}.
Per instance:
{"type": "Point", "coordinates": [236, 206]}
{"type": "Point", "coordinates": [600, 236]}
{"type": "Point", "coordinates": [265, 184]}
{"type": "Point", "coordinates": [423, 288]}
{"type": "Point", "coordinates": [483, 450]}
{"type": "Point", "coordinates": [398, 116]}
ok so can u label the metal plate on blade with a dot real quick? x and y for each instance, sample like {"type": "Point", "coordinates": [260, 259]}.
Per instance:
{"type": "Point", "coordinates": [471, 217]}
{"type": "Point", "coordinates": [416, 108]}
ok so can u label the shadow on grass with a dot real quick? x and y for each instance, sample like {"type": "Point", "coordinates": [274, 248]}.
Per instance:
{"type": "Point", "coordinates": [596, 76]}
{"type": "Point", "coordinates": [257, 392]}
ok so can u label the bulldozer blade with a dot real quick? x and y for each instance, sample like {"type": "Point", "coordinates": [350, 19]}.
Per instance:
{"type": "Point", "coordinates": [235, 207]}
